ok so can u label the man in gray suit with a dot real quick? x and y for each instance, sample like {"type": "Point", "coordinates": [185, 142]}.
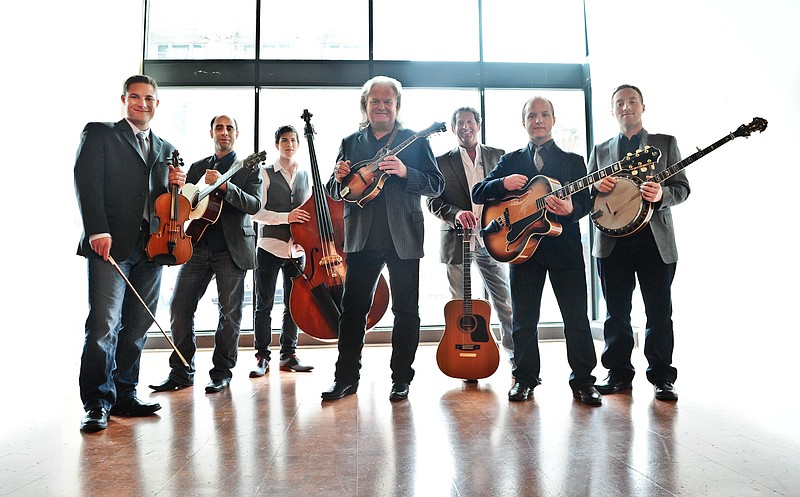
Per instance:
{"type": "Point", "coordinates": [225, 251]}
{"type": "Point", "coordinates": [386, 231]}
{"type": "Point", "coordinates": [649, 254]}
{"type": "Point", "coordinates": [462, 168]}
{"type": "Point", "coordinates": [116, 182]}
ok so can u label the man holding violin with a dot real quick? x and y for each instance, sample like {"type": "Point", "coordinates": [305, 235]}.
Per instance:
{"type": "Point", "coordinates": [225, 252]}
{"type": "Point", "coordinates": [120, 169]}
{"type": "Point", "coordinates": [386, 231]}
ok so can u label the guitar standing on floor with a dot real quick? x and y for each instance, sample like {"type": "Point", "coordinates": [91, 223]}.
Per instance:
{"type": "Point", "coordinates": [207, 203]}
{"type": "Point", "coordinates": [513, 227]}
{"type": "Point", "coordinates": [622, 211]}
{"type": "Point", "coordinates": [467, 349]}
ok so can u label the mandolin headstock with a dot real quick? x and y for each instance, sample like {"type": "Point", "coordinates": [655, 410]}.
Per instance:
{"type": "Point", "coordinates": [641, 161]}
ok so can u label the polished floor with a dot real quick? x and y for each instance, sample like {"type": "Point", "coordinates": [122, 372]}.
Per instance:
{"type": "Point", "coordinates": [274, 437]}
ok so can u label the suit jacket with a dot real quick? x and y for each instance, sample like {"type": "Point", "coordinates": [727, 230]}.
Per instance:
{"type": "Point", "coordinates": [402, 195]}
{"type": "Point", "coordinates": [563, 251]}
{"type": "Point", "coordinates": [242, 199]}
{"type": "Point", "coordinates": [112, 182]}
{"type": "Point", "coordinates": [676, 190]}
{"type": "Point", "coordinates": [455, 198]}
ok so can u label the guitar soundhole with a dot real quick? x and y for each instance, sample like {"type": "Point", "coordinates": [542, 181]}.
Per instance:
{"type": "Point", "coordinates": [467, 323]}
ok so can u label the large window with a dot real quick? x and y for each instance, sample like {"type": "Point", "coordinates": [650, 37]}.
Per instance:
{"type": "Point", "coordinates": [264, 72]}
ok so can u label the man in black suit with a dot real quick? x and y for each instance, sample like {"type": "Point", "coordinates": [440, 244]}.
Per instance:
{"type": "Point", "coordinates": [559, 257]}
{"type": "Point", "coordinates": [386, 231]}
{"type": "Point", "coordinates": [225, 251]}
{"type": "Point", "coordinates": [462, 168]}
{"type": "Point", "coordinates": [117, 180]}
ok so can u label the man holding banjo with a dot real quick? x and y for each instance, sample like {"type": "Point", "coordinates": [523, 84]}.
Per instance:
{"type": "Point", "coordinates": [642, 249]}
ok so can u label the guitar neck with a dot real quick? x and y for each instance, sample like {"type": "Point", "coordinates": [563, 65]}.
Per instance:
{"type": "Point", "coordinates": [222, 179]}
{"type": "Point", "coordinates": [583, 183]}
{"type": "Point", "coordinates": [679, 166]}
{"type": "Point", "coordinates": [467, 264]}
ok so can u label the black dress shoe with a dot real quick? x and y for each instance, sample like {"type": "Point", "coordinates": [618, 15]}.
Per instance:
{"type": "Point", "coordinates": [95, 420]}
{"type": "Point", "coordinates": [215, 386]}
{"type": "Point", "coordinates": [399, 391]}
{"type": "Point", "coordinates": [520, 391]}
{"type": "Point", "coordinates": [134, 407]}
{"type": "Point", "coordinates": [339, 389]}
{"type": "Point", "coordinates": [612, 385]}
{"type": "Point", "coordinates": [168, 386]}
{"type": "Point", "coordinates": [665, 390]}
{"type": "Point", "coordinates": [588, 395]}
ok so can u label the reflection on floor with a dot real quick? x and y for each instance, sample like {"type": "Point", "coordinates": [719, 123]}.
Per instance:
{"type": "Point", "coordinates": [273, 436]}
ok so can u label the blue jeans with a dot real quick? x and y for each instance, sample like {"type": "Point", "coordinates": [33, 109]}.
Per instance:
{"type": "Point", "coordinates": [116, 328]}
{"type": "Point", "coordinates": [266, 277]}
{"type": "Point", "coordinates": [190, 285]}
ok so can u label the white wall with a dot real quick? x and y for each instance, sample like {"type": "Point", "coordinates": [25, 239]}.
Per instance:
{"type": "Point", "coordinates": [704, 66]}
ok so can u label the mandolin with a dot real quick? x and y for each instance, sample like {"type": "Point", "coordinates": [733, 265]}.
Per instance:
{"type": "Point", "coordinates": [365, 180]}
{"type": "Point", "coordinates": [467, 349]}
{"type": "Point", "coordinates": [207, 203]}
{"type": "Point", "coordinates": [514, 226]}
{"type": "Point", "coordinates": [623, 211]}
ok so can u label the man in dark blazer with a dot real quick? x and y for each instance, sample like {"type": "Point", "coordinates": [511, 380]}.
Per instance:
{"type": "Point", "coordinates": [649, 254]}
{"type": "Point", "coordinates": [462, 168]}
{"type": "Point", "coordinates": [386, 231]}
{"type": "Point", "coordinates": [559, 257]}
{"type": "Point", "coordinates": [225, 252]}
{"type": "Point", "coordinates": [116, 184]}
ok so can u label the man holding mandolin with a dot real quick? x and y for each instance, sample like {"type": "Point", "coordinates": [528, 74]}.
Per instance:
{"type": "Point", "coordinates": [647, 252]}
{"type": "Point", "coordinates": [559, 257]}
{"type": "Point", "coordinates": [387, 231]}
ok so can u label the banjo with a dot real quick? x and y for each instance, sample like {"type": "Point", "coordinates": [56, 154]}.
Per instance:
{"type": "Point", "coordinates": [623, 211]}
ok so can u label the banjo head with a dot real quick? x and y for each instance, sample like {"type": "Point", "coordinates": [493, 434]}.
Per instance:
{"type": "Point", "coordinates": [622, 211]}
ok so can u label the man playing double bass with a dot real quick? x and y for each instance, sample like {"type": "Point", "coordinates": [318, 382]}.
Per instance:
{"type": "Point", "coordinates": [387, 231]}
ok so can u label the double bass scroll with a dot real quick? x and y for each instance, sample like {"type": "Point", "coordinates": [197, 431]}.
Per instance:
{"type": "Point", "coordinates": [315, 302]}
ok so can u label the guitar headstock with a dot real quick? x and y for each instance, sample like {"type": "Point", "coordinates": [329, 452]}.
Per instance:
{"type": "Point", "coordinates": [642, 160]}
{"type": "Point", "coordinates": [758, 124]}
{"type": "Point", "coordinates": [252, 161]}
{"type": "Point", "coordinates": [433, 128]}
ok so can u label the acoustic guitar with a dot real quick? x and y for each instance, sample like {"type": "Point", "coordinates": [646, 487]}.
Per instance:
{"type": "Point", "coordinates": [365, 180]}
{"type": "Point", "coordinates": [467, 349]}
{"type": "Point", "coordinates": [207, 203]}
{"type": "Point", "coordinates": [623, 211]}
{"type": "Point", "coordinates": [514, 226]}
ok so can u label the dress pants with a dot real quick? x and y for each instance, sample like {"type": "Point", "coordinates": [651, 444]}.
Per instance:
{"type": "Point", "coordinates": [363, 270]}
{"type": "Point", "coordinates": [638, 256]}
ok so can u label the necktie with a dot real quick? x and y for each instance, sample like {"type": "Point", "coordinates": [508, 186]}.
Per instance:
{"type": "Point", "coordinates": [142, 137]}
{"type": "Point", "coordinates": [537, 158]}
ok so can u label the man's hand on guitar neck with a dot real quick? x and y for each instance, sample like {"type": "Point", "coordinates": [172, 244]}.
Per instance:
{"type": "Point", "coordinates": [212, 176]}
{"type": "Point", "coordinates": [466, 219]}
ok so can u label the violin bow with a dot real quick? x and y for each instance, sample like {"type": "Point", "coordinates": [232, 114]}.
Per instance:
{"type": "Point", "coordinates": [172, 344]}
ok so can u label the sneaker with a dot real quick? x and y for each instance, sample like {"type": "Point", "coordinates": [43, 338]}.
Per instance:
{"type": "Point", "coordinates": [262, 366]}
{"type": "Point", "coordinates": [292, 363]}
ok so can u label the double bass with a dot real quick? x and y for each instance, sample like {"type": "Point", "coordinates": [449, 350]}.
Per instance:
{"type": "Point", "coordinates": [315, 302]}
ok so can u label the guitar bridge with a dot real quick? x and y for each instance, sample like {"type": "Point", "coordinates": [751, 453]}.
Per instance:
{"type": "Point", "coordinates": [468, 346]}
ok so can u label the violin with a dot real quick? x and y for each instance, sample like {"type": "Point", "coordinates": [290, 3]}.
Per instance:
{"type": "Point", "coordinates": [171, 246]}
{"type": "Point", "coordinates": [315, 301]}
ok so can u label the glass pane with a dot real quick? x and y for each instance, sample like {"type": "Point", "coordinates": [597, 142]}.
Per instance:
{"type": "Point", "coordinates": [207, 32]}
{"type": "Point", "coordinates": [442, 30]}
{"type": "Point", "coordinates": [184, 119]}
{"type": "Point", "coordinates": [315, 30]}
{"type": "Point", "coordinates": [533, 31]}
{"type": "Point", "coordinates": [504, 129]}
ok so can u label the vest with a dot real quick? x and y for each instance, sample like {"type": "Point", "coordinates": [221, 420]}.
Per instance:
{"type": "Point", "coordinates": [280, 198]}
